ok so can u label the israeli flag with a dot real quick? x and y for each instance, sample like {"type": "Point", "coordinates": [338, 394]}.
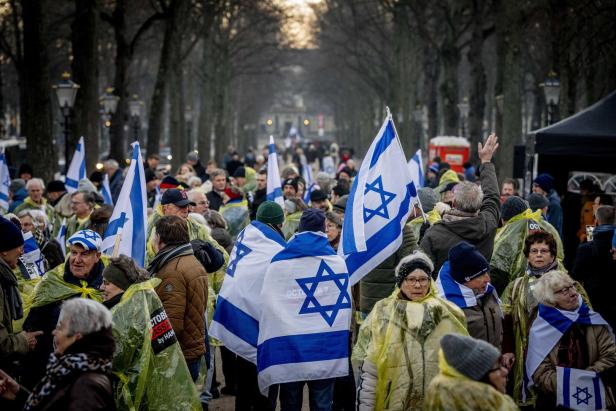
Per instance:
{"type": "Point", "coordinates": [236, 318]}
{"type": "Point", "coordinates": [579, 390]}
{"type": "Point", "coordinates": [77, 169]}
{"type": "Point", "coordinates": [305, 314]}
{"type": "Point", "coordinates": [416, 167]}
{"type": "Point", "coordinates": [127, 225]}
{"type": "Point", "coordinates": [378, 205]}
{"type": "Point", "coordinates": [457, 293]}
{"type": "Point", "coordinates": [307, 176]}
{"type": "Point", "coordinates": [106, 191]}
{"type": "Point", "coordinates": [274, 190]}
{"type": "Point", "coordinates": [61, 237]}
{"type": "Point", "coordinates": [547, 330]}
{"type": "Point", "coordinates": [32, 258]}
{"type": "Point", "coordinates": [5, 181]}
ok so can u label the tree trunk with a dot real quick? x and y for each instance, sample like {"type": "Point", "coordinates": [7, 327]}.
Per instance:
{"type": "Point", "coordinates": [176, 111]}
{"type": "Point", "coordinates": [85, 73]}
{"type": "Point", "coordinates": [432, 73]}
{"type": "Point", "coordinates": [36, 117]}
{"type": "Point", "coordinates": [478, 84]}
{"type": "Point", "coordinates": [117, 138]}
{"type": "Point", "coordinates": [450, 55]}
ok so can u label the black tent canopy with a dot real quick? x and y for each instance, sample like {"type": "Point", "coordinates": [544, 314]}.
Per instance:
{"type": "Point", "coordinates": [591, 132]}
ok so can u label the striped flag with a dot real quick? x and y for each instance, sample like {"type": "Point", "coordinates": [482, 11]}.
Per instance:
{"type": "Point", "coordinates": [274, 190]}
{"type": "Point", "coordinates": [5, 181]}
{"type": "Point", "coordinates": [77, 169]}
{"type": "Point", "coordinates": [106, 191]}
{"type": "Point", "coordinates": [61, 237]}
{"type": "Point", "coordinates": [416, 167]}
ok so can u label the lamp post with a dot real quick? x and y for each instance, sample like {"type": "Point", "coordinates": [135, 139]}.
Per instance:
{"type": "Point", "coordinates": [551, 90]}
{"type": "Point", "coordinates": [464, 109]}
{"type": "Point", "coordinates": [135, 106]}
{"type": "Point", "coordinates": [418, 117]}
{"type": "Point", "coordinates": [109, 103]}
{"type": "Point", "coordinates": [66, 91]}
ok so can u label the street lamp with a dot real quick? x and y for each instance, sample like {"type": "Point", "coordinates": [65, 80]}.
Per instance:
{"type": "Point", "coordinates": [551, 89]}
{"type": "Point", "coordinates": [135, 107]}
{"type": "Point", "coordinates": [464, 109]}
{"type": "Point", "coordinates": [66, 91]}
{"type": "Point", "coordinates": [109, 105]}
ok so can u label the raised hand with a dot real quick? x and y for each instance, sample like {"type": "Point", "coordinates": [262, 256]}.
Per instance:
{"type": "Point", "coordinates": [486, 151]}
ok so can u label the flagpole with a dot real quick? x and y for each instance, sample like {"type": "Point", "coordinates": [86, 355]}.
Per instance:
{"type": "Point", "coordinates": [116, 244]}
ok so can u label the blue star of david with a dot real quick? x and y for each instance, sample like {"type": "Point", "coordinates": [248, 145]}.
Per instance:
{"type": "Point", "coordinates": [386, 198]}
{"type": "Point", "coordinates": [312, 305]}
{"type": "Point", "coordinates": [40, 261]}
{"type": "Point", "coordinates": [241, 251]}
{"type": "Point", "coordinates": [582, 398]}
{"type": "Point", "coordinates": [89, 235]}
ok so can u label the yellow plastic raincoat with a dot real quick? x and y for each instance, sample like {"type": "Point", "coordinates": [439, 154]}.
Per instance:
{"type": "Point", "coordinates": [148, 360]}
{"type": "Point", "coordinates": [291, 224]}
{"type": "Point", "coordinates": [415, 224]}
{"type": "Point", "coordinates": [508, 260]}
{"type": "Point", "coordinates": [448, 176]}
{"type": "Point", "coordinates": [397, 349]}
{"type": "Point", "coordinates": [450, 390]}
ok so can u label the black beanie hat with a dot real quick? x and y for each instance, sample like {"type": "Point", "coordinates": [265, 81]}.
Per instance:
{"type": "Point", "coordinates": [466, 262]}
{"type": "Point", "coordinates": [11, 237]}
{"type": "Point", "coordinates": [312, 220]}
{"type": "Point", "coordinates": [513, 206]}
{"type": "Point", "coordinates": [55, 186]}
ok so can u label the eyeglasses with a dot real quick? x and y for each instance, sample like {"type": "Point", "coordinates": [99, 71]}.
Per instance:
{"type": "Point", "coordinates": [540, 251]}
{"type": "Point", "coordinates": [566, 290]}
{"type": "Point", "coordinates": [420, 281]}
{"type": "Point", "coordinates": [203, 202]}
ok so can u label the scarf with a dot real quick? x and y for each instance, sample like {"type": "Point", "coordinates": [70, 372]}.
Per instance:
{"type": "Point", "coordinates": [168, 253]}
{"type": "Point", "coordinates": [93, 280]}
{"type": "Point", "coordinates": [538, 272]}
{"type": "Point", "coordinates": [61, 369]}
{"type": "Point", "coordinates": [548, 329]}
{"type": "Point", "coordinates": [457, 293]}
{"type": "Point", "coordinates": [8, 282]}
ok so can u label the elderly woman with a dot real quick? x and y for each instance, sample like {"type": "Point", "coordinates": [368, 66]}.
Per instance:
{"type": "Point", "coordinates": [519, 304]}
{"type": "Point", "coordinates": [333, 228]}
{"type": "Point", "coordinates": [148, 359]}
{"type": "Point", "coordinates": [472, 377]}
{"type": "Point", "coordinates": [78, 372]}
{"type": "Point", "coordinates": [398, 343]}
{"type": "Point", "coordinates": [35, 221]}
{"type": "Point", "coordinates": [568, 334]}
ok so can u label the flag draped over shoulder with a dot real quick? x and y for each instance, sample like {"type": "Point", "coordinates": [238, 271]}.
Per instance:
{"type": "Point", "coordinates": [579, 390]}
{"type": "Point", "coordinates": [236, 318]}
{"type": "Point", "coordinates": [457, 293]}
{"type": "Point", "coordinates": [274, 190]}
{"type": "Point", "coordinates": [306, 314]}
{"type": "Point", "coordinates": [5, 181]}
{"type": "Point", "coordinates": [106, 190]}
{"type": "Point", "coordinates": [416, 167]}
{"type": "Point", "coordinates": [77, 169]}
{"type": "Point", "coordinates": [378, 205]}
{"type": "Point", "coordinates": [547, 330]}
{"type": "Point", "coordinates": [125, 233]}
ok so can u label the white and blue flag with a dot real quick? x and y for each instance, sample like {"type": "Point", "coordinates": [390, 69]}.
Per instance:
{"type": "Point", "coordinates": [274, 190]}
{"type": "Point", "coordinates": [579, 390]}
{"type": "Point", "coordinates": [61, 237]}
{"type": "Point", "coordinates": [549, 327]}
{"type": "Point", "coordinates": [378, 205]}
{"type": "Point", "coordinates": [416, 167]}
{"type": "Point", "coordinates": [32, 260]}
{"type": "Point", "coordinates": [459, 294]}
{"type": "Point", "coordinates": [5, 181]}
{"type": "Point", "coordinates": [305, 315]}
{"type": "Point", "coordinates": [311, 185]}
{"type": "Point", "coordinates": [126, 233]}
{"type": "Point", "coordinates": [236, 318]}
{"type": "Point", "coordinates": [77, 169]}
{"type": "Point", "coordinates": [106, 191]}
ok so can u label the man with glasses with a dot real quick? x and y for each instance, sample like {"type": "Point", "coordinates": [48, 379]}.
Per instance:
{"type": "Point", "coordinates": [201, 203]}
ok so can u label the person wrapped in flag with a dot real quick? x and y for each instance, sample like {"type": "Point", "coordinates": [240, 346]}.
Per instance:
{"type": "Point", "coordinates": [398, 343]}
{"type": "Point", "coordinates": [566, 341]}
{"type": "Point", "coordinates": [305, 318]}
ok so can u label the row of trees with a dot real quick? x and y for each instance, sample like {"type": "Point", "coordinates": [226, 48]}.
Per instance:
{"type": "Point", "coordinates": [215, 56]}
{"type": "Point", "coordinates": [434, 53]}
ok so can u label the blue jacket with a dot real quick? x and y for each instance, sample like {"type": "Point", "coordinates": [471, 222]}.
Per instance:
{"type": "Point", "coordinates": [555, 212]}
{"type": "Point", "coordinates": [18, 198]}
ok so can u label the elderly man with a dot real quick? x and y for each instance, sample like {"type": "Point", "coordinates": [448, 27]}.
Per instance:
{"type": "Point", "coordinates": [81, 277]}
{"type": "Point", "coordinates": [475, 214]}
{"type": "Point", "coordinates": [82, 204]}
{"type": "Point", "coordinates": [219, 183]}
{"type": "Point", "coordinates": [112, 168]}
{"type": "Point", "coordinates": [201, 203]}
{"type": "Point", "coordinates": [183, 290]}
{"type": "Point", "coordinates": [35, 199]}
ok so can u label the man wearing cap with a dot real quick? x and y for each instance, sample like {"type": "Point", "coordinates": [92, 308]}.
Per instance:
{"type": "Point", "coordinates": [318, 199]}
{"type": "Point", "coordinates": [219, 183]}
{"type": "Point", "coordinates": [465, 281]}
{"type": "Point", "coordinates": [81, 277]}
{"type": "Point", "coordinates": [56, 196]}
{"type": "Point", "coordinates": [11, 305]}
{"type": "Point", "coordinates": [544, 185]}
{"type": "Point", "coordinates": [290, 188]}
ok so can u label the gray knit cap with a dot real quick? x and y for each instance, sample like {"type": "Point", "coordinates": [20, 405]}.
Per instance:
{"type": "Point", "coordinates": [470, 356]}
{"type": "Point", "coordinates": [428, 198]}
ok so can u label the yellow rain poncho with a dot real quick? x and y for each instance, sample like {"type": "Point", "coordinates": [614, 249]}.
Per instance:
{"type": "Point", "coordinates": [397, 346]}
{"type": "Point", "coordinates": [148, 360]}
{"type": "Point", "coordinates": [450, 390]}
{"type": "Point", "coordinates": [415, 224]}
{"type": "Point", "coordinates": [291, 224]}
{"type": "Point", "coordinates": [519, 302]}
{"type": "Point", "coordinates": [508, 260]}
{"type": "Point", "coordinates": [448, 176]}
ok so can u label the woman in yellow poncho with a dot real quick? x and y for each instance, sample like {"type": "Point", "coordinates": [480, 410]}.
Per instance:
{"type": "Point", "coordinates": [397, 347]}
{"type": "Point", "coordinates": [471, 378]}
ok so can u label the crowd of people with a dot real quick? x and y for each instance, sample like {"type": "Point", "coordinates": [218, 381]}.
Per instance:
{"type": "Point", "coordinates": [476, 309]}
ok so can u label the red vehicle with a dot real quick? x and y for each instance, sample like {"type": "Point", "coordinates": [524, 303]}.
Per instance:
{"type": "Point", "coordinates": [453, 150]}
